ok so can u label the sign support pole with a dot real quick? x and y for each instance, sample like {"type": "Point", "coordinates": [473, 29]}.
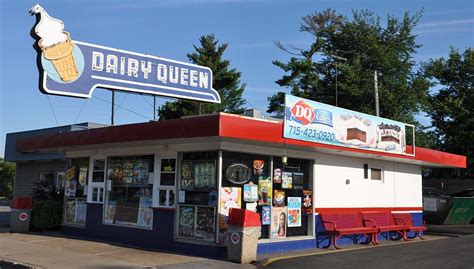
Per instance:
{"type": "Point", "coordinates": [154, 107]}
{"type": "Point", "coordinates": [113, 108]}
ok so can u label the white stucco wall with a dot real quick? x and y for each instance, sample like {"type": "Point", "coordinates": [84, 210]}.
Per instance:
{"type": "Point", "coordinates": [400, 187]}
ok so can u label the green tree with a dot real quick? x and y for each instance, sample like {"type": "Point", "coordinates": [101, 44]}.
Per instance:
{"type": "Point", "coordinates": [452, 108]}
{"type": "Point", "coordinates": [366, 45]}
{"type": "Point", "coordinates": [7, 178]}
{"type": "Point", "coordinates": [226, 81]}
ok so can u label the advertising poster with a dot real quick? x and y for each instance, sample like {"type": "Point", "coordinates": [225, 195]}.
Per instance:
{"type": "Point", "coordinates": [145, 212]}
{"type": "Point", "coordinates": [278, 223]}
{"type": "Point", "coordinates": [279, 198]}
{"type": "Point", "coordinates": [82, 176]}
{"type": "Point", "coordinates": [266, 214]}
{"type": "Point", "coordinates": [70, 188]}
{"type": "Point", "coordinates": [205, 224]}
{"type": "Point", "coordinates": [204, 175]}
{"type": "Point", "coordinates": [265, 187]}
{"type": "Point", "coordinates": [277, 176]}
{"type": "Point", "coordinates": [250, 193]}
{"type": "Point", "coordinates": [71, 172]}
{"type": "Point", "coordinates": [317, 122]}
{"type": "Point", "coordinates": [287, 180]}
{"type": "Point", "coordinates": [110, 212]}
{"type": "Point", "coordinates": [298, 180]}
{"type": "Point", "coordinates": [251, 206]}
{"type": "Point", "coordinates": [238, 173]}
{"type": "Point", "coordinates": [81, 212]}
{"type": "Point", "coordinates": [258, 167]}
{"type": "Point", "coordinates": [187, 177]}
{"type": "Point", "coordinates": [70, 211]}
{"type": "Point", "coordinates": [294, 211]}
{"type": "Point", "coordinates": [229, 198]}
{"type": "Point", "coordinates": [307, 206]}
{"type": "Point", "coordinates": [186, 221]}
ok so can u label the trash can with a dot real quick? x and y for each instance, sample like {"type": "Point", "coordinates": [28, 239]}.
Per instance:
{"type": "Point", "coordinates": [243, 234]}
{"type": "Point", "coordinates": [20, 214]}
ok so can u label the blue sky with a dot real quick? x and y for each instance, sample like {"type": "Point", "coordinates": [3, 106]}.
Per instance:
{"type": "Point", "coordinates": [169, 28]}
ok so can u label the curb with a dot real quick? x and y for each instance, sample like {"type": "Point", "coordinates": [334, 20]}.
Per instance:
{"type": "Point", "coordinates": [268, 261]}
{"type": "Point", "coordinates": [4, 263]}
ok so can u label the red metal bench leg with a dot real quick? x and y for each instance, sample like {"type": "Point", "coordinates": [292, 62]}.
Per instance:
{"type": "Point", "coordinates": [374, 239]}
{"type": "Point", "coordinates": [420, 235]}
{"type": "Point", "coordinates": [405, 238]}
{"type": "Point", "coordinates": [329, 242]}
{"type": "Point", "coordinates": [335, 242]}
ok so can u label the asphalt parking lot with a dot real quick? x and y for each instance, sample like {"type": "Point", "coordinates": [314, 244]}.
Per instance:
{"type": "Point", "coordinates": [453, 252]}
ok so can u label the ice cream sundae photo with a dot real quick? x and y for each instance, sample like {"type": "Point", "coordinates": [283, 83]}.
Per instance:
{"type": "Point", "coordinates": [55, 44]}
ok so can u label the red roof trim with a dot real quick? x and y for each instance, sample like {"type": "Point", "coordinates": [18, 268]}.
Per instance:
{"type": "Point", "coordinates": [359, 209]}
{"type": "Point", "coordinates": [223, 125]}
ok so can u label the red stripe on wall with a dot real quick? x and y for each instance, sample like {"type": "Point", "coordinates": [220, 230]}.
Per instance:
{"type": "Point", "coordinates": [358, 209]}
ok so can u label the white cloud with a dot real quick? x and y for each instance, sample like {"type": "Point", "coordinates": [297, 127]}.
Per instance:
{"type": "Point", "coordinates": [446, 23]}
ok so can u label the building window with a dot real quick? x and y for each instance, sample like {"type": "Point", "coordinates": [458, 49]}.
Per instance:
{"type": "Point", "coordinates": [376, 174]}
{"type": "Point", "coordinates": [280, 193]}
{"type": "Point", "coordinates": [75, 191]}
{"type": "Point", "coordinates": [166, 186]}
{"type": "Point", "coordinates": [197, 202]}
{"type": "Point", "coordinates": [129, 191]}
{"type": "Point", "coordinates": [366, 171]}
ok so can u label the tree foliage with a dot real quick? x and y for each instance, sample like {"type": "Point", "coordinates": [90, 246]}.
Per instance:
{"type": "Point", "coordinates": [367, 44]}
{"type": "Point", "coordinates": [226, 81]}
{"type": "Point", "coordinates": [7, 178]}
{"type": "Point", "coordinates": [452, 108]}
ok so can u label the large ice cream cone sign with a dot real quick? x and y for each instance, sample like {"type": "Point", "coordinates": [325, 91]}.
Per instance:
{"type": "Point", "coordinates": [74, 68]}
{"type": "Point", "coordinates": [55, 44]}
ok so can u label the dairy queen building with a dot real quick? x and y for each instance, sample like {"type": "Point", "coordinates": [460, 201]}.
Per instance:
{"type": "Point", "coordinates": [170, 184]}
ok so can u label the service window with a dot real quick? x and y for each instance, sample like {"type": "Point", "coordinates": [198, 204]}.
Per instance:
{"type": "Point", "coordinates": [97, 183]}
{"type": "Point", "coordinates": [129, 191]}
{"type": "Point", "coordinates": [75, 191]}
{"type": "Point", "coordinates": [166, 185]}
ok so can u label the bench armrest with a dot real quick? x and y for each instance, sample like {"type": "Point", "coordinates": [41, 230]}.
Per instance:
{"type": "Point", "coordinates": [371, 221]}
{"type": "Point", "coordinates": [330, 222]}
{"type": "Point", "coordinates": [400, 219]}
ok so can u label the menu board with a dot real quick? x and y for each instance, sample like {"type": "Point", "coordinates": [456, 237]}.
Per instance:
{"type": "Point", "coordinates": [205, 224]}
{"type": "Point", "coordinates": [204, 175]}
{"type": "Point", "coordinates": [198, 175]}
{"type": "Point", "coordinates": [186, 221]}
{"type": "Point", "coordinates": [298, 180]}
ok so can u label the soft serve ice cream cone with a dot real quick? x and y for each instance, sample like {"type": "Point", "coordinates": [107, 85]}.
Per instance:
{"type": "Point", "coordinates": [56, 44]}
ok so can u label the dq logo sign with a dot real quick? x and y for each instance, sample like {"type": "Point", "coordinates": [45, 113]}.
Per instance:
{"type": "Point", "coordinates": [73, 68]}
{"type": "Point", "coordinates": [303, 113]}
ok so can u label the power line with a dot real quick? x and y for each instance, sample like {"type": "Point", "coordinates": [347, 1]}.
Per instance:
{"type": "Point", "coordinates": [52, 110]}
{"type": "Point", "coordinates": [78, 114]}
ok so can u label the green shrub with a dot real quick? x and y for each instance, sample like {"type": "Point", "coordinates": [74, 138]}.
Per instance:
{"type": "Point", "coordinates": [46, 215]}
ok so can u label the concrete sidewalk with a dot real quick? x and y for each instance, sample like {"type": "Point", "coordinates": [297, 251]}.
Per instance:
{"type": "Point", "coordinates": [55, 251]}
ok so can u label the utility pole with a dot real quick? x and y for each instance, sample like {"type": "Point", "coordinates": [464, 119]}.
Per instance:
{"type": "Point", "coordinates": [113, 108]}
{"type": "Point", "coordinates": [376, 88]}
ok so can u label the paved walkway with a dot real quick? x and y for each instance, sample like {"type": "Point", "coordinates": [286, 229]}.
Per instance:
{"type": "Point", "coordinates": [52, 251]}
